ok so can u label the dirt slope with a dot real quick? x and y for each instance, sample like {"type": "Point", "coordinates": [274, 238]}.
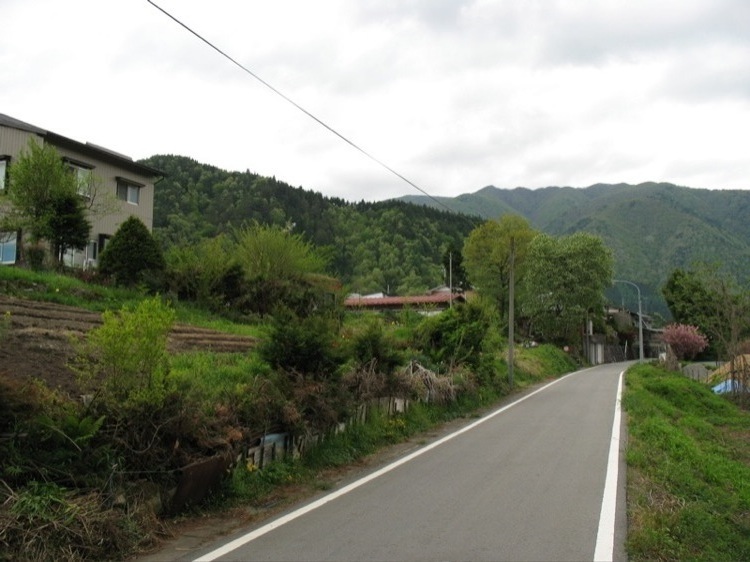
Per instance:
{"type": "Point", "coordinates": [35, 340]}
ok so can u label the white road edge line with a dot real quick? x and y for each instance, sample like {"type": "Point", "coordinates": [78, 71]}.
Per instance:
{"type": "Point", "coordinates": [605, 535]}
{"type": "Point", "coordinates": [260, 531]}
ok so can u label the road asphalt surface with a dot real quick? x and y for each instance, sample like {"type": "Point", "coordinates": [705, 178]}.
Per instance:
{"type": "Point", "coordinates": [524, 482]}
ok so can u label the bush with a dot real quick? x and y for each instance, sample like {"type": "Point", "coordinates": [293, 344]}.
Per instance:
{"type": "Point", "coordinates": [373, 346]}
{"type": "Point", "coordinates": [125, 360]}
{"type": "Point", "coordinates": [456, 336]}
{"type": "Point", "coordinates": [305, 345]}
{"type": "Point", "coordinates": [36, 256]}
{"type": "Point", "coordinates": [308, 358]}
{"type": "Point", "coordinates": [205, 273]}
{"type": "Point", "coordinates": [132, 256]}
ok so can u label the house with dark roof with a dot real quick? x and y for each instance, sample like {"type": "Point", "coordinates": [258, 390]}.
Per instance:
{"type": "Point", "coordinates": [116, 186]}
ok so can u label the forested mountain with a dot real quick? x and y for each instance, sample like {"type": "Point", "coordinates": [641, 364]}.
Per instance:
{"type": "Point", "coordinates": [390, 246]}
{"type": "Point", "coordinates": [397, 246]}
{"type": "Point", "coordinates": [652, 228]}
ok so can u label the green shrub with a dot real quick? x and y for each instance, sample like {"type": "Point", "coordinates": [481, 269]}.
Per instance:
{"type": "Point", "coordinates": [307, 356]}
{"type": "Point", "coordinates": [456, 336]}
{"type": "Point", "coordinates": [205, 273]}
{"type": "Point", "coordinates": [132, 256]}
{"type": "Point", "coordinates": [36, 257]}
{"type": "Point", "coordinates": [125, 360]}
{"type": "Point", "coordinates": [374, 346]}
{"type": "Point", "coordinates": [304, 345]}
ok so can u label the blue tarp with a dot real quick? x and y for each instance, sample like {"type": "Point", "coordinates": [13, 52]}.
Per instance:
{"type": "Point", "coordinates": [728, 385]}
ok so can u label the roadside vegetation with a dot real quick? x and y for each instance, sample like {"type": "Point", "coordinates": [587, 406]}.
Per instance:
{"type": "Point", "coordinates": [95, 472]}
{"type": "Point", "coordinates": [83, 477]}
{"type": "Point", "coordinates": [688, 470]}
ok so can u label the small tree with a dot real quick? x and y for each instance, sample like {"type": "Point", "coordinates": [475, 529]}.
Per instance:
{"type": "Point", "coordinates": [686, 341]}
{"type": "Point", "coordinates": [68, 226]}
{"type": "Point", "coordinates": [132, 256]}
{"type": "Point", "coordinates": [40, 185]}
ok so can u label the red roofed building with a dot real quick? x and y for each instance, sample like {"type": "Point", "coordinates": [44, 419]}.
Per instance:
{"type": "Point", "coordinates": [434, 302]}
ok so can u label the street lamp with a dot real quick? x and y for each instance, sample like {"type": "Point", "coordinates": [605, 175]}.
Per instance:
{"type": "Point", "coordinates": [640, 316]}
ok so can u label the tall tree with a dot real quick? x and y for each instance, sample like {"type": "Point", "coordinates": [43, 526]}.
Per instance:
{"type": "Point", "coordinates": [688, 297]}
{"type": "Point", "coordinates": [40, 186]}
{"type": "Point", "coordinates": [565, 280]}
{"type": "Point", "coordinates": [487, 256]}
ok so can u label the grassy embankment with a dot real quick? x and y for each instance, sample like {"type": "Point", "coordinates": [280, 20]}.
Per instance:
{"type": "Point", "coordinates": [688, 470]}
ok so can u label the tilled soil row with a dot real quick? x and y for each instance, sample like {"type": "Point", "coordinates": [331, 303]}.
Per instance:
{"type": "Point", "coordinates": [36, 319]}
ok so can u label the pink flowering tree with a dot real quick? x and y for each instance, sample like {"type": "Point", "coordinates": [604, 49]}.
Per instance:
{"type": "Point", "coordinates": [685, 340]}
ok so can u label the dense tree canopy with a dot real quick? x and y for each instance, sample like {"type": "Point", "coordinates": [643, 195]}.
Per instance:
{"type": "Point", "coordinates": [710, 299]}
{"type": "Point", "coordinates": [389, 247]}
{"type": "Point", "coordinates": [565, 280]}
{"type": "Point", "coordinates": [688, 298]}
{"type": "Point", "coordinates": [455, 272]}
{"type": "Point", "coordinates": [487, 256]}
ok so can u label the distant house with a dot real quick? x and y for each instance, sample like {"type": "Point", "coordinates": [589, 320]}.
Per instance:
{"type": "Point", "coordinates": [126, 184]}
{"type": "Point", "coordinates": [433, 302]}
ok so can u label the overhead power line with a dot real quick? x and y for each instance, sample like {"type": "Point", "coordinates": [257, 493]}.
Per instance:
{"type": "Point", "coordinates": [295, 104]}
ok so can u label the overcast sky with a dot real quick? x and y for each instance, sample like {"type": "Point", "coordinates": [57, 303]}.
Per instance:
{"type": "Point", "coordinates": [453, 94]}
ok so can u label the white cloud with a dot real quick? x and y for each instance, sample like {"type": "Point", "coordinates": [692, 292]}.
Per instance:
{"type": "Point", "coordinates": [453, 94]}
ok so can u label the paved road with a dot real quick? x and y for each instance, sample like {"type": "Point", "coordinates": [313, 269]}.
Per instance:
{"type": "Point", "coordinates": [522, 484]}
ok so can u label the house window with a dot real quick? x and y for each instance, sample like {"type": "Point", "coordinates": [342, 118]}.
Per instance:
{"type": "Point", "coordinates": [4, 160]}
{"type": "Point", "coordinates": [128, 191]}
{"type": "Point", "coordinates": [83, 176]}
{"type": "Point", "coordinates": [7, 247]}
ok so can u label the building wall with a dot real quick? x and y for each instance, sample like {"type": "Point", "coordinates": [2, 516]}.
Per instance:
{"type": "Point", "coordinates": [13, 141]}
{"type": "Point", "coordinates": [107, 212]}
{"type": "Point", "coordinates": [121, 210]}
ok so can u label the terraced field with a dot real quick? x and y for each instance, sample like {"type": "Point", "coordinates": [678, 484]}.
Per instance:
{"type": "Point", "coordinates": [36, 339]}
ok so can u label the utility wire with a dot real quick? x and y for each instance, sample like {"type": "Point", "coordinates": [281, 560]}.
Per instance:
{"type": "Point", "coordinates": [295, 104]}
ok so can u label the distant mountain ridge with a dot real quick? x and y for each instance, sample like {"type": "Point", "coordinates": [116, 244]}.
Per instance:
{"type": "Point", "coordinates": [652, 228]}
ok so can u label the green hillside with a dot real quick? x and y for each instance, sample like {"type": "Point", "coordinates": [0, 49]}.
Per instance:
{"type": "Point", "coordinates": [397, 246]}
{"type": "Point", "coordinates": [652, 228]}
{"type": "Point", "coordinates": [389, 246]}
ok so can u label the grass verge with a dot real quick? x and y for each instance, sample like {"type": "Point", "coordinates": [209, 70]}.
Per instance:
{"type": "Point", "coordinates": [688, 470]}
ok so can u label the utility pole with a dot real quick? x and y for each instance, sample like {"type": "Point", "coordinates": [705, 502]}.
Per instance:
{"type": "Point", "coordinates": [511, 308]}
{"type": "Point", "coordinates": [450, 278]}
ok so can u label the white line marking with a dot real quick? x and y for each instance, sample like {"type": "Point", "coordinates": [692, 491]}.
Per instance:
{"type": "Point", "coordinates": [605, 535]}
{"type": "Point", "coordinates": [260, 531]}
